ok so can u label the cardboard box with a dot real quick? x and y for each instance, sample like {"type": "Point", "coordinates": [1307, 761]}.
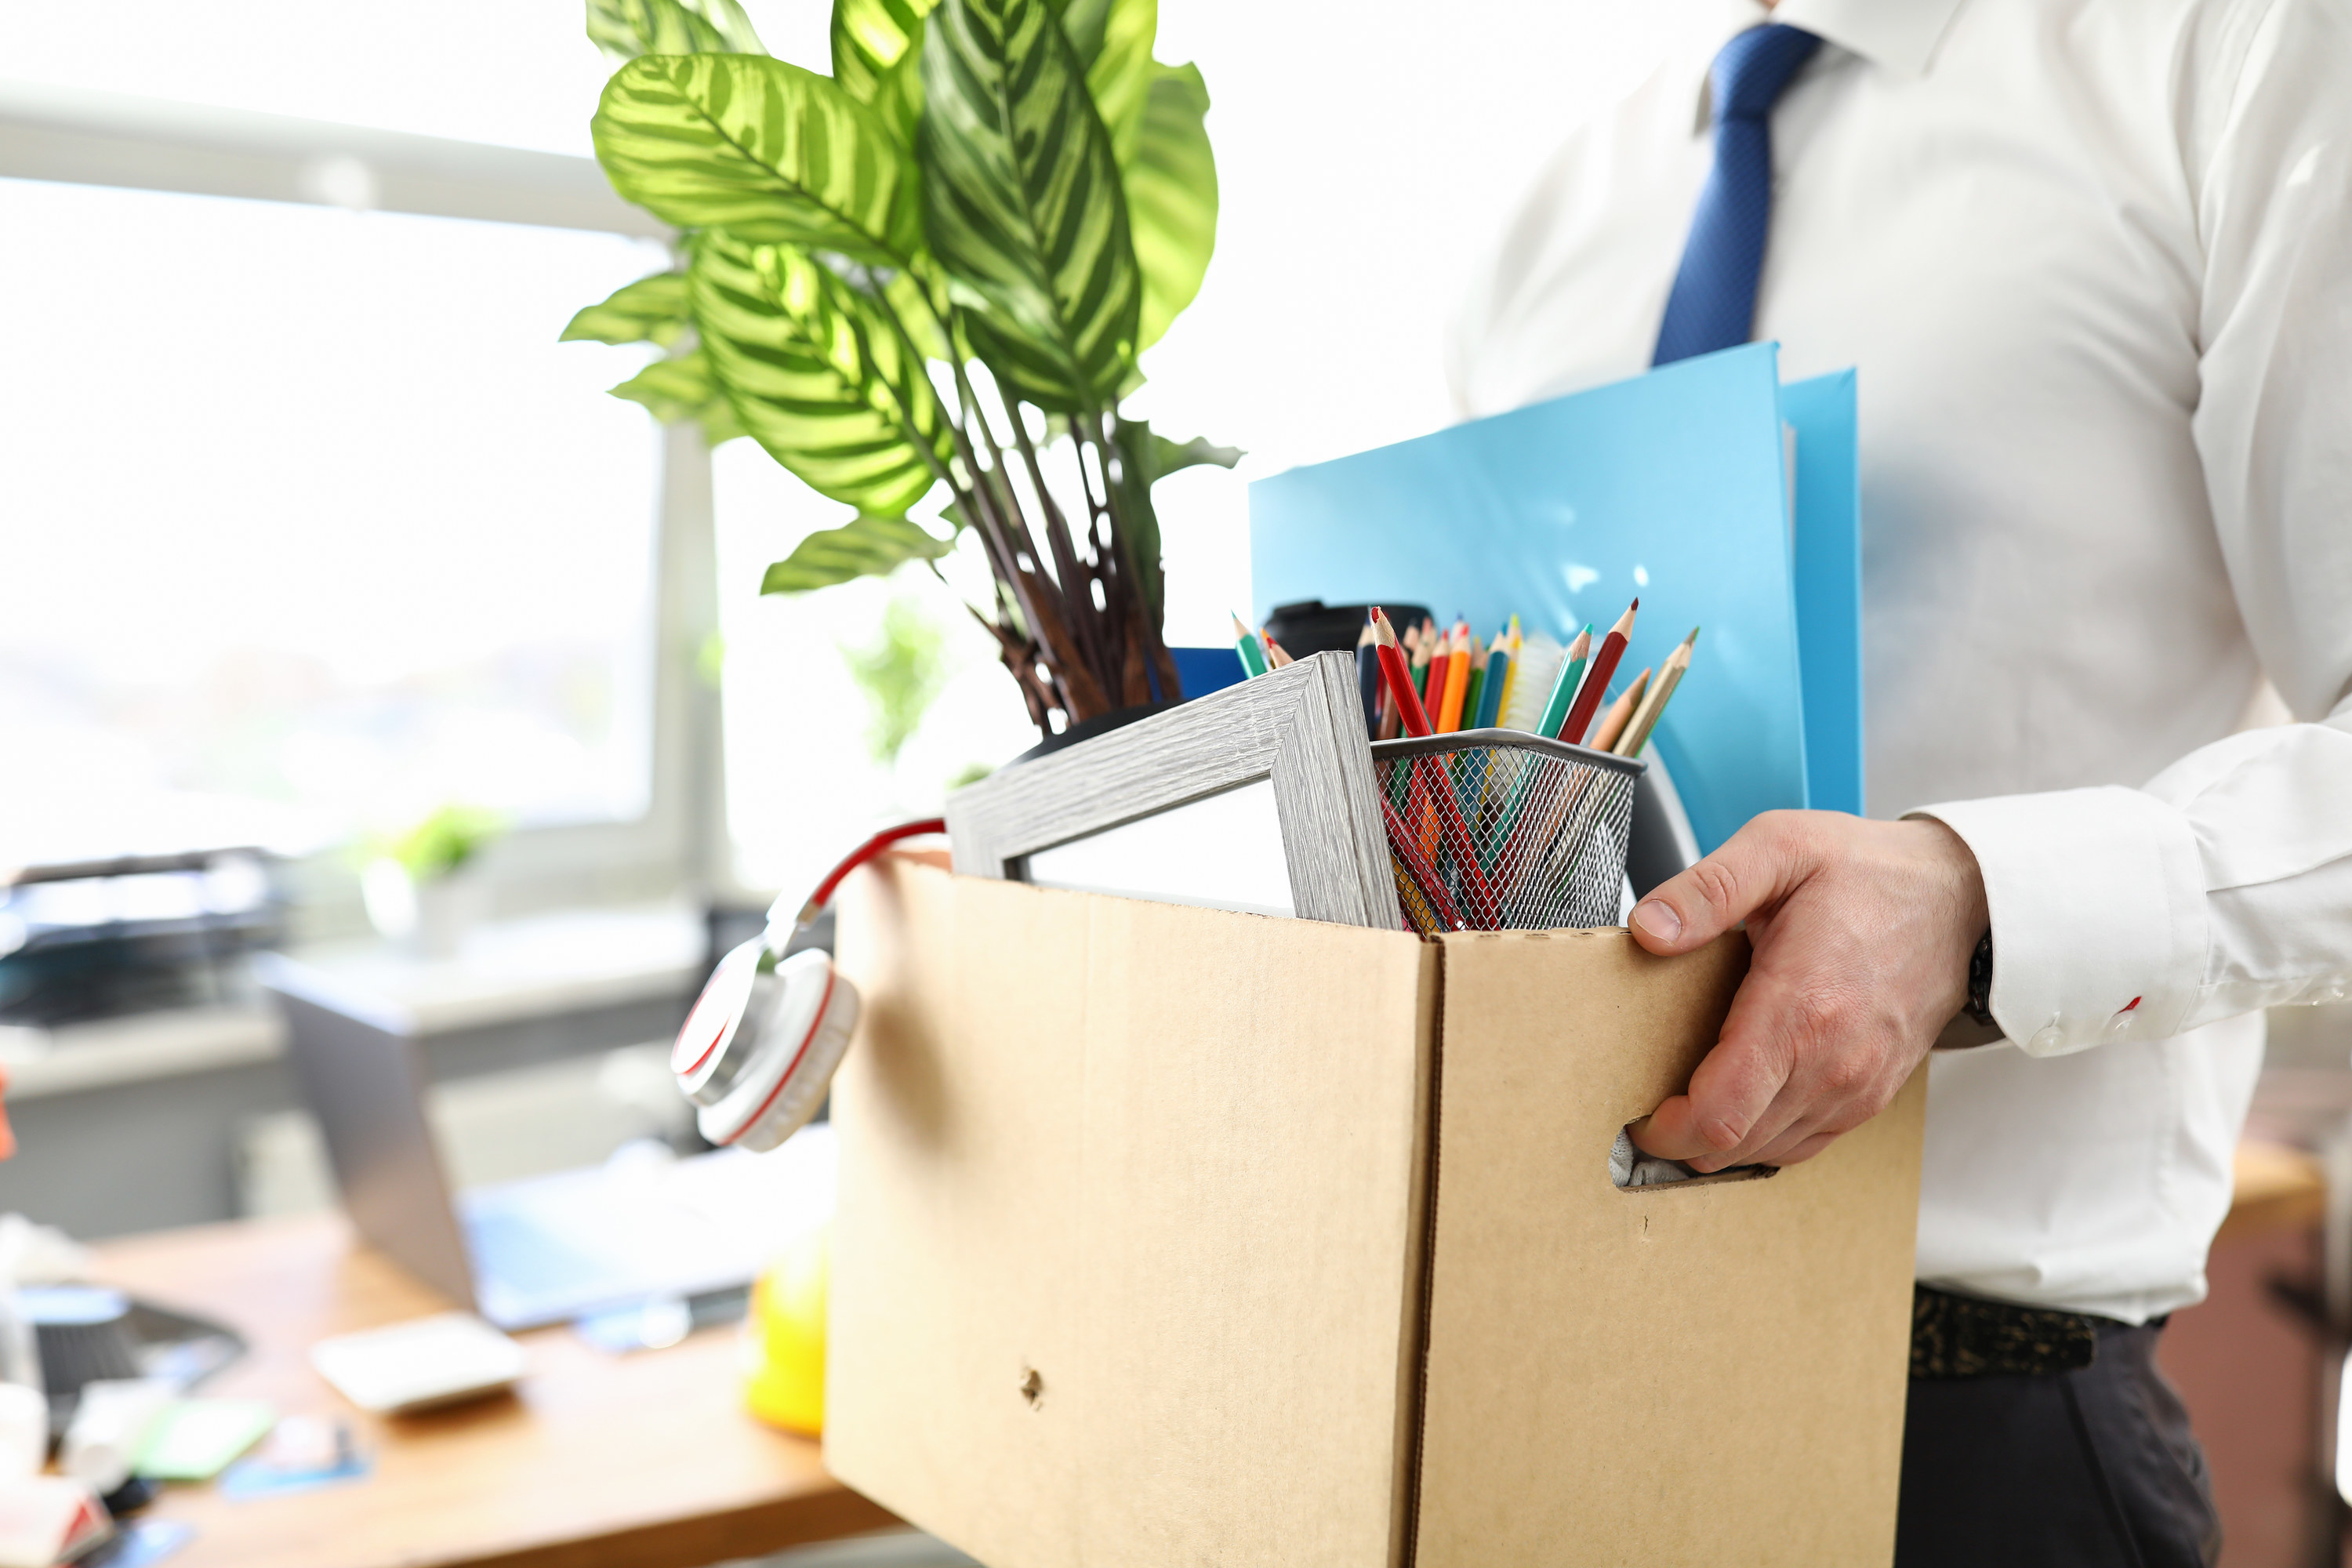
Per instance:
{"type": "Point", "coordinates": [1172, 1237]}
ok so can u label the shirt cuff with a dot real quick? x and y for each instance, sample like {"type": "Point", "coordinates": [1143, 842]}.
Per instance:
{"type": "Point", "coordinates": [2097, 898]}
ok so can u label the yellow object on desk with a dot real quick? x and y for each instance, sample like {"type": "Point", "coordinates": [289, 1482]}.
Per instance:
{"type": "Point", "coordinates": [783, 1339]}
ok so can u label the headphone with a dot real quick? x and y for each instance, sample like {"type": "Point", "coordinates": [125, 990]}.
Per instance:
{"type": "Point", "coordinates": [758, 1051]}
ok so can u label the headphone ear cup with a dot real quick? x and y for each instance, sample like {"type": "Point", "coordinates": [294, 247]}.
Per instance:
{"type": "Point", "coordinates": [796, 1054]}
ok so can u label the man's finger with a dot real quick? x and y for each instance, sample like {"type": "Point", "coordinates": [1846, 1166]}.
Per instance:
{"type": "Point", "coordinates": [1805, 1151]}
{"type": "Point", "coordinates": [1788, 1119]}
{"type": "Point", "coordinates": [1754, 868]}
{"type": "Point", "coordinates": [1818, 1123]}
{"type": "Point", "coordinates": [1731, 1091]}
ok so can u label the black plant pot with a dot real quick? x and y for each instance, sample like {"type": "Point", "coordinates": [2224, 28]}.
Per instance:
{"type": "Point", "coordinates": [1087, 728]}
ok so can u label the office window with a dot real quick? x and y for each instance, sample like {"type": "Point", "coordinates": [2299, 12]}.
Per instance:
{"type": "Point", "coordinates": [306, 520]}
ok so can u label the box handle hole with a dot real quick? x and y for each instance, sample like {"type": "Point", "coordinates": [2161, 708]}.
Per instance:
{"type": "Point", "coordinates": [1629, 1168]}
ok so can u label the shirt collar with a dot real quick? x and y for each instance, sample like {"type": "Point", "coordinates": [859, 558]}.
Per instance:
{"type": "Point", "coordinates": [1896, 36]}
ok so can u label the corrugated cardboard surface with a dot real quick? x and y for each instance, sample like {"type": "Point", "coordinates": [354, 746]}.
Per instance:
{"type": "Point", "coordinates": [1704, 1374]}
{"type": "Point", "coordinates": [1179, 1165]}
{"type": "Point", "coordinates": [1170, 1160]}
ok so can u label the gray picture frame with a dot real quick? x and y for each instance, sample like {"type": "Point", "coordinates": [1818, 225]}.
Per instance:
{"type": "Point", "coordinates": [1300, 728]}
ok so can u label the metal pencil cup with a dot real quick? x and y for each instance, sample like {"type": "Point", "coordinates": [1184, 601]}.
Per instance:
{"type": "Point", "coordinates": [1502, 830]}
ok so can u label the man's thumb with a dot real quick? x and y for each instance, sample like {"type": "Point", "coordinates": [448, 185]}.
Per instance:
{"type": "Point", "coordinates": [1752, 869]}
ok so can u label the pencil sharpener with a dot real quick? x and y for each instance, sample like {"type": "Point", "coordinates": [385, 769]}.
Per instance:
{"type": "Point", "coordinates": [759, 1048]}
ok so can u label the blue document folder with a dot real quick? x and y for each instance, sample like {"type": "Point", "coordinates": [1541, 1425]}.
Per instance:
{"type": "Point", "coordinates": [1721, 497]}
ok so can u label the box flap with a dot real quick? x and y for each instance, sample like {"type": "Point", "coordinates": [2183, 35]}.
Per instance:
{"type": "Point", "coordinates": [1662, 1376]}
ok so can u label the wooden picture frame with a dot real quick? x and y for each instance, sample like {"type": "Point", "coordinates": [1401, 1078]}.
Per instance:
{"type": "Point", "coordinates": [1300, 728]}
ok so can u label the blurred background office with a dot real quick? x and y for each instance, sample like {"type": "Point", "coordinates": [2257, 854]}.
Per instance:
{"type": "Point", "coordinates": [317, 537]}
{"type": "Point", "coordinates": [342, 613]}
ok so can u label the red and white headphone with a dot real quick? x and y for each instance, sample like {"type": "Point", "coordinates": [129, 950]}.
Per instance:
{"type": "Point", "coordinates": [758, 1050]}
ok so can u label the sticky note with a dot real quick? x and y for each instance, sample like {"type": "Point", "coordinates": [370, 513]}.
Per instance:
{"type": "Point", "coordinates": [195, 1441]}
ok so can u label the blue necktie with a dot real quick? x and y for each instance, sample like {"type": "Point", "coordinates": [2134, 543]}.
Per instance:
{"type": "Point", "coordinates": [1713, 305]}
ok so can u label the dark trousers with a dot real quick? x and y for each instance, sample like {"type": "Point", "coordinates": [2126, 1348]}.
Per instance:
{"type": "Point", "coordinates": [2094, 1467]}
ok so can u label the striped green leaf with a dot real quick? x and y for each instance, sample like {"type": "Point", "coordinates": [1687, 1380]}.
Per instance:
{"type": "Point", "coordinates": [1172, 198]}
{"type": "Point", "coordinates": [681, 388]}
{"type": "Point", "coordinates": [875, 46]}
{"type": "Point", "coordinates": [625, 30]}
{"type": "Point", "coordinates": [1023, 204]}
{"type": "Point", "coordinates": [816, 376]}
{"type": "Point", "coordinates": [1169, 457]}
{"type": "Point", "coordinates": [1112, 39]}
{"type": "Point", "coordinates": [864, 547]}
{"type": "Point", "coordinates": [771, 153]}
{"type": "Point", "coordinates": [650, 310]}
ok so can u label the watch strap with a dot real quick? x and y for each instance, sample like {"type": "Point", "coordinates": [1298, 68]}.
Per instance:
{"type": "Point", "coordinates": [1979, 1003]}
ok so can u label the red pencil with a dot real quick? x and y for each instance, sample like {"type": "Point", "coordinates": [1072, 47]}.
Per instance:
{"type": "Point", "coordinates": [1596, 679]}
{"type": "Point", "coordinates": [1399, 680]}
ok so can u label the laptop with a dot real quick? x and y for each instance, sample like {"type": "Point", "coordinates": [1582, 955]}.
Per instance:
{"type": "Point", "coordinates": [546, 1248]}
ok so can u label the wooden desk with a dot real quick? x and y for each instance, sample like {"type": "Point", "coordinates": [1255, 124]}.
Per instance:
{"type": "Point", "coordinates": [640, 1461]}
{"type": "Point", "coordinates": [643, 1461]}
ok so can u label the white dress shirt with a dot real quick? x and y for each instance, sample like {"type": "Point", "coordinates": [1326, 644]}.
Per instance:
{"type": "Point", "coordinates": [2093, 260]}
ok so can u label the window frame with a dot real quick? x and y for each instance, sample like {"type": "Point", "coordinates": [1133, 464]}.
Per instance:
{"type": "Point", "coordinates": [676, 848]}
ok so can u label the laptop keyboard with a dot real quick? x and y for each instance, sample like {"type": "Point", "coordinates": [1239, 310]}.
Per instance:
{"type": "Point", "coordinates": [516, 1251]}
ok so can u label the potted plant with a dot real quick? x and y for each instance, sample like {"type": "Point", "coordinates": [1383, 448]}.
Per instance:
{"type": "Point", "coordinates": [421, 884]}
{"type": "Point", "coordinates": [932, 270]}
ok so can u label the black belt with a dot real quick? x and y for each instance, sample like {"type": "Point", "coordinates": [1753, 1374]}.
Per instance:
{"type": "Point", "coordinates": [1966, 1336]}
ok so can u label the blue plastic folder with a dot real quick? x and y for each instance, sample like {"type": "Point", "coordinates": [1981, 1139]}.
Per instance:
{"type": "Point", "coordinates": [1676, 485]}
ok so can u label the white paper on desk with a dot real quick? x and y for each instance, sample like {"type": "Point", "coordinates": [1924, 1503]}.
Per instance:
{"type": "Point", "coordinates": [420, 1363]}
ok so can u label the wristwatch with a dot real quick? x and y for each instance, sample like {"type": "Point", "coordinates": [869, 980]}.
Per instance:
{"type": "Point", "coordinates": [1979, 1003]}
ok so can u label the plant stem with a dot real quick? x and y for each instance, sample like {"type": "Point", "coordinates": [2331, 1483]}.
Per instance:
{"type": "Point", "coordinates": [1047, 604]}
{"type": "Point", "coordinates": [1124, 529]}
{"type": "Point", "coordinates": [1097, 632]}
{"type": "Point", "coordinates": [980, 504]}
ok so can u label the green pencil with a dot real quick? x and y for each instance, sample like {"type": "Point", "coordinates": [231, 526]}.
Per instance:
{"type": "Point", "coordinates": [1247, 647]}
{"type": "Point", "coordinates": [1563, 690]}
{"type": "Point", "coordinates": [1498, 677]}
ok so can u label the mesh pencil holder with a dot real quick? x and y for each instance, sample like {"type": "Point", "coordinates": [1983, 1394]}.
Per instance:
{"type": "Point", "coordinates": [1503, 830]}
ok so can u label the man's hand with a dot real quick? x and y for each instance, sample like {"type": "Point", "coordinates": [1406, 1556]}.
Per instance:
{"type": "Point", "coordinates": [1862, 933]}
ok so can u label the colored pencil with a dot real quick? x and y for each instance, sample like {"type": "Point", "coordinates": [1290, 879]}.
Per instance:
{"type": "Point", "coordinates": [1620, 712]}
{"type": "Point", "coordinates": [1275, 656]}
{"type": "Point", "coordinates": [1457, 678]}
{"type": "Point", "coordinates": [1563, 687]}
{"type": "Point", "coordinates": [1399, 680]}
{"type": "Point", "coordinates": [1511, 672]}
{"type": "Point", "coordinates": [1422, 650]}
{"type": "Point", "coordinates": [1596, 679]}
{"type": "Point", "coordinates": [1245, 647]}
{"type": "Point", "coordinates": [1645, 719]}
{"type": "Point", "coordinates": [1391, 718]}
{"type": "Point", "coordinates": [1474, 699]}
{"type": "Point", "coordinates": [1367, 678]}
{"type": "Point", "coordinates": [1496, 688]}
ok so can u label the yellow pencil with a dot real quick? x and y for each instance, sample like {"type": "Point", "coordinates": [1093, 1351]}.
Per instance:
{"type": "Point", "coordinates": [1645, 717]}
{"type": "Point", "coordinates": [1620, 712]}
{"type": "Point", "coordinates": [1457, 677]}
{"type": "Point", "coordinates": [1511, 674]}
